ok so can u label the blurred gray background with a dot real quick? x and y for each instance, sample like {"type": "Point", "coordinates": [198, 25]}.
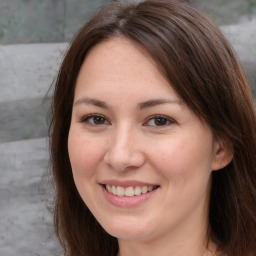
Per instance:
{"type": "Point", "coordinates": [34, 35]}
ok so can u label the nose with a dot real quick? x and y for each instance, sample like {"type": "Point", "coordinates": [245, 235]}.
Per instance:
{"type": "Point", "coordinates": [124, 150]}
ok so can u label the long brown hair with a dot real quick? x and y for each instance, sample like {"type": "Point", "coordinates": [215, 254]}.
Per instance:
{"type": "Point", "coordinates": [194, 56]}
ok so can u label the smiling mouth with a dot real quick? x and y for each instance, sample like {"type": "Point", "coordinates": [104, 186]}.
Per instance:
{"type": "Point", "coordinates": [129, 191]}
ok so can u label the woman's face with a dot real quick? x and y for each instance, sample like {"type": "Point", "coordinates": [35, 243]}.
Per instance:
{"type": "Point", "coordinates": [141, 159]}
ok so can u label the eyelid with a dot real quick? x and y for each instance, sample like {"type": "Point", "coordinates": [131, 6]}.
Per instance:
{"type": "Point", "coordinates": [85, 118]}
{"type": "Point", "coordinates": [169, 119]}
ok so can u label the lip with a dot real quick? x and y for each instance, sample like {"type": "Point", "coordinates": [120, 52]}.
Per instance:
{"type": "Point", "coordinates": [127, 183]}
{"type": "Point", "coordinates": [125, 201]}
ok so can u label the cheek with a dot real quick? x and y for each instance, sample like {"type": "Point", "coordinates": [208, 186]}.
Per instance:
{"type": "Point", "coordinates": [84, 154]}
{"type": "Point", "coordinates": [183, 157]}
{"type": "Point", "coordinates": [85, 157]}
{"type": "Point", "coordinates": [185, 168]}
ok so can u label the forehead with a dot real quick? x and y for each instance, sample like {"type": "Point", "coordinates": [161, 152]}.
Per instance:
{"type": "Point", "coordinates": [120, 55]}
{"type": "Point", "coordinates": [120, 65]}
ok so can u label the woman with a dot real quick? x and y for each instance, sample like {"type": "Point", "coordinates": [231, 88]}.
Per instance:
{"type": "Point", "coordinates": [153, 137]}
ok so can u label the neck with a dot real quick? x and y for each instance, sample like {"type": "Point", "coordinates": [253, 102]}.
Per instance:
{"type": "Point", "coordinates": [152, 249]}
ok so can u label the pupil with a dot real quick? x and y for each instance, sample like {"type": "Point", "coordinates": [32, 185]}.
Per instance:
{"type": "Point", "coordinates": [160, 121]}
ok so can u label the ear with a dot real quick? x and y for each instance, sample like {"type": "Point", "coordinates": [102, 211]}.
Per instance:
{"type": "Point", "coordinates": [223, 155]}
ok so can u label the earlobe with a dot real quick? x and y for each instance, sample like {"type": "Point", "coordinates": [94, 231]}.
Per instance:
{"type": "Point", "coordinates": [223, 155]}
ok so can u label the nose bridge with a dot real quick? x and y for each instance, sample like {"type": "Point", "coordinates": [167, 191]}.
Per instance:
{"type": "Point", "coordinates": [123, 150]}
{"type": "Point", "coordinates": [124, 134]}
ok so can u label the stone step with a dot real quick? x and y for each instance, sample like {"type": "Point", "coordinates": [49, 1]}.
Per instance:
{"type": "Point", "coordinates": [26, 74]}
{"type": "Point", "coordinates": [24, 119]}
{"type": "Point", "coordinates": [27, 70]}
{"type": "Point", "coordinates": [26, 225]}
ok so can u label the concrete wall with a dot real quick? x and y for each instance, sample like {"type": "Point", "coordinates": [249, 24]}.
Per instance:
{"type": "Point", "coordinates": [41, 21]}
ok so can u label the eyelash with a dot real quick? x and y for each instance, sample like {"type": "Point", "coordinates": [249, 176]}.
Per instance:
{"type": "Point", "coordinates": [87, 118]}
{"type": "Point", "coordinates": [162, 118]}
{"type": "Point", "coordinates": [167, 120]}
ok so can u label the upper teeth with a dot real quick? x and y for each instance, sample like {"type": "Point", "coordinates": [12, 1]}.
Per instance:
{"type": "Point", "coordinates": [129, 191]}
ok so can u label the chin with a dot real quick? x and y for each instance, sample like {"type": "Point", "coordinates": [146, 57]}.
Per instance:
{"type": "Point", "coordinates": [127, 230]}
{"type": "Point", "coordinates": [128, 234]}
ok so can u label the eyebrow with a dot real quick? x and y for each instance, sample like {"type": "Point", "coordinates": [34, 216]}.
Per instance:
{"type": "Point", "coordinates": [155, 102]}
{"type": "Point", "coordinates": [141, 106]}
{"type": "Point", "coordinates": [91, 101]}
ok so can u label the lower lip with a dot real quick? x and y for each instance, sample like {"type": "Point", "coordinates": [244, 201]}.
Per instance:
{"type": "Point", "coordinates": [128, 201]}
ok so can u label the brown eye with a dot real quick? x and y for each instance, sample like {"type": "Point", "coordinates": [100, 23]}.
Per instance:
{"type": "Point", "coordinates": [159, 121]}
{"type": "Point", "coordinates": [95, 120]}
{"type": "Point", "coordinates": [98, 120]}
